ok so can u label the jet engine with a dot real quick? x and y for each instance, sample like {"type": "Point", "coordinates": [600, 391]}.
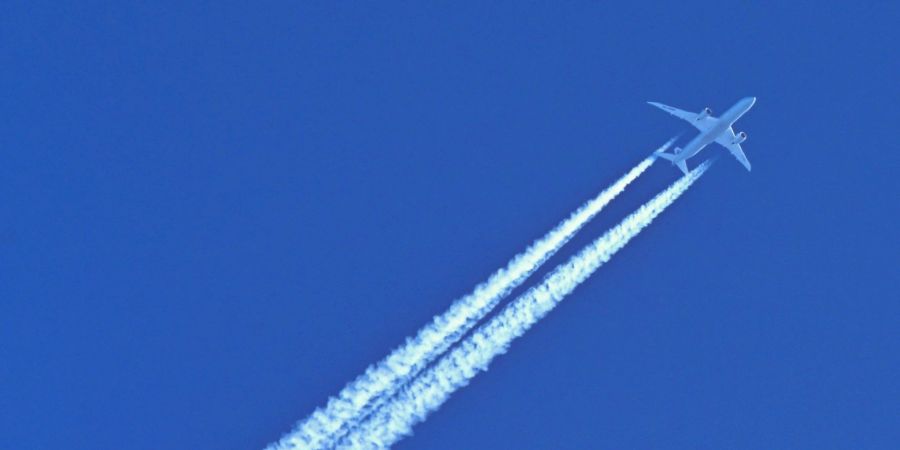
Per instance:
{"type": "Point", "coordinates": [704, 114]}
{"type": "Point", "coordinates": [740, 137]}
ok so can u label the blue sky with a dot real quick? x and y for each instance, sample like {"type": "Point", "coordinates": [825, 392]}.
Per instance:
{"type": "Point", "coordinates": [215, 215]}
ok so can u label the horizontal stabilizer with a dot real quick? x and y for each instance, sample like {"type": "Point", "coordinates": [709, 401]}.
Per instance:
{"type": "Point", "coordinates": [680, 163]}
{"type": "Point", "coordinates": [666, 156]}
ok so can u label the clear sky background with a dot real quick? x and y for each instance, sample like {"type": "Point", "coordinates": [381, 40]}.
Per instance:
{"type": "Point", "coordinates": [215, 215]}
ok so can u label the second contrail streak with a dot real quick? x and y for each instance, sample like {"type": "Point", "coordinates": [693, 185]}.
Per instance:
{"type": "Point", "coordinates": [429, 391]}
{"type": "Point", "coordinates": [381, 380]}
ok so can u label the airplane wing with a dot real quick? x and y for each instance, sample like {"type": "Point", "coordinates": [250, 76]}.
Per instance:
{"type": "Point", "coordinates": [725, 140]}
{"type": "Point", "coordinates": [694, 119]}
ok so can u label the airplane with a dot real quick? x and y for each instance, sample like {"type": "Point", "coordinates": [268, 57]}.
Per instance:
{"type": "Point", "coordinates": [711, 130]}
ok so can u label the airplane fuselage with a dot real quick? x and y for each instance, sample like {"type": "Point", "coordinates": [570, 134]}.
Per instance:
{"type": "Point", "coordinates": [709, 136]}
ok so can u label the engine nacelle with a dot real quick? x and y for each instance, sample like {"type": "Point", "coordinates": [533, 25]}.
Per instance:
{"type": "Point", "coordinates": [740, 137]}
{"type": "Point", "coordinates": [704, 114]}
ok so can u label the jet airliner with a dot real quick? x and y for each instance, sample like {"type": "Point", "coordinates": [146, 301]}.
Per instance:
{"type": "Point", "coordinates": [712, 129]}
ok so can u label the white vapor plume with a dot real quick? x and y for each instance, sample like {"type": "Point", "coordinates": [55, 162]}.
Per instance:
{"type": "Point", "coordinates": [428, 392]}
{"type": "Point", "coordinates": [381, 380]}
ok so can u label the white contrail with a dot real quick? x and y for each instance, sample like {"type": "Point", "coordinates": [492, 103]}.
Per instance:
{"type": "Point", "coordinates": [426, 393]}
{"type": "Point", "coordinates": [368, 391]}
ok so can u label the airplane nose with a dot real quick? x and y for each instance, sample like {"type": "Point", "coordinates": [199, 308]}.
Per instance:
{"type": "Point", "coordinates": [751, 100]}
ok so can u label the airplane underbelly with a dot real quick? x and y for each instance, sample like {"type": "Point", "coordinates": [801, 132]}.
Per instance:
{"type": "Point", "coordinates": [695, 146]}
{"type": "Point", "coordinates": [702, 141]}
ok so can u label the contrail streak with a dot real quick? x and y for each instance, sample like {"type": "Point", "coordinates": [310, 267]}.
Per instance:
{"type": "Point", "coordinates": [426, 393]}
{"type": "Point", "coordinates": [379, 382]}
